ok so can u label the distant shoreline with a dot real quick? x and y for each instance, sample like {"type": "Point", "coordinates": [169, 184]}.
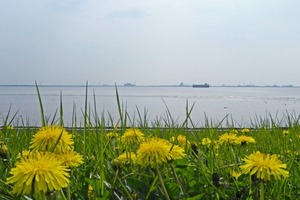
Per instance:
{"type": "Point", "coordinates": [80, 85]}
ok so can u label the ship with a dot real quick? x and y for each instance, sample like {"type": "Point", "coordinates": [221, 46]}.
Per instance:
{"type": "Point", "coordinates": [205, 85]}
{"type": "Point", "coordinates": [129, 85]}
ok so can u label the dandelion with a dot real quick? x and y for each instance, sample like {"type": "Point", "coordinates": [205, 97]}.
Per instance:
{"type": "Point", "coordinates": [116, 164]}
{"type": "Point", "coordinates": [127, 157]}
{"type": "Point", "coordinates": [236, 175]}
{"type": "Point", "coordinates": [285, 132]}
{"type": "Point", "coordinates": [50, 137]}
{"type": "Point", "coordinates": [24, 155]}
{"type": "Point", "coordinates": [152, 152]}
{"type": "Point", "coordinates": [177, 152]}
{"type": "Point", "coordinates": [90, 192]}
{"type": "Point", "coordinates": [132, 136]}
{"type": "Point", "coordinates": [70, 158]}
{"type": "Point", "coordinates": [228, 138]}
{"type": "Point", "coordinates": [264, 166]}
{"type": "Point", "coordinates": [243, 139]}
{"type": "Point", "coordinates": [182, 140]}
{"type": "Point", "coordinates": [38, 173]}
{"type": "Point", "coordinates": [216, 148]}
{"type": "Point", "coordinates": [206, 142]}
{"type": "Point", "coordinates": [3, 150]}
{"type": "Point", "coordinates": [245, 130]}
{"type": "Point", "coordinates": [112, 135]}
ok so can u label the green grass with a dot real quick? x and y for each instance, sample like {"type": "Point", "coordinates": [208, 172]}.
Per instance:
{"type": "Point", "coordinates": [205, 173]}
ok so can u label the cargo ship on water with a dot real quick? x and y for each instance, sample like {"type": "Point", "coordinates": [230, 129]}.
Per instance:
{"type": "Point", "coordinates": [205, 85]}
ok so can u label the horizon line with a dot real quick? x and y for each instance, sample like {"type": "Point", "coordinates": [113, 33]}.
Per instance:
{"type": "Point", "coordinates": [134, 85]}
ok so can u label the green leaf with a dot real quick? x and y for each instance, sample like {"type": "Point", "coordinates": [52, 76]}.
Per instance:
{"type": "Point", "coordinates": [197, 197]}
{"type": "Point", "coordinates": [139, 186]}
{"type": "Point", "coordinates": [97, 188]}
{"type": "Point", "coordinates": [173, 190]}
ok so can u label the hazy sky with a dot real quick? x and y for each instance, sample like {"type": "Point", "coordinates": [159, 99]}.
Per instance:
{"type": "Point", "coordinates": [150, 42]}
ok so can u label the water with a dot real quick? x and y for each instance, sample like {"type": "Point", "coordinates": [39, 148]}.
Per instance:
{"type": "Point", "coordinates": [242, 104]}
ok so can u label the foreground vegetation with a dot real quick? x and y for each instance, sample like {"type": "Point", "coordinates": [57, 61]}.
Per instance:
{"type": "Point", "coordinates": [136, 160]}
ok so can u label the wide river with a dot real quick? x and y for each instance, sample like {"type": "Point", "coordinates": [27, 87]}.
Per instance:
{"type": "Point", "coordinates": [243, 106]}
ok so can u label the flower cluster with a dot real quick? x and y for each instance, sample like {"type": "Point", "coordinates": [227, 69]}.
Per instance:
{"type": "Point", "coordinates": [232, 138]}
{"type": "Point", "coordinates": [45, 167]}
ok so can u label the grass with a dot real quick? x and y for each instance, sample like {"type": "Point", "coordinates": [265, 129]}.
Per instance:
{"type": "Point", "coordinates": [204, 173]}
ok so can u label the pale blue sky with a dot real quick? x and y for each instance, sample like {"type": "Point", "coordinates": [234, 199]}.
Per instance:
{"type": "Point", "coordinates": [150, 42]}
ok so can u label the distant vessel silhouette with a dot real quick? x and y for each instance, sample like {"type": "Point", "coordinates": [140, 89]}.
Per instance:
{"type": "Point", "coordinates": [129, 84]}
{"type": "Point", "coordinates": [205, 85]}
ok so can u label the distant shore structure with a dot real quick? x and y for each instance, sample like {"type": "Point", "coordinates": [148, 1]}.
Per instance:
{"type": "Point", "coordinates": [129, 84]}
{"type": "Point", "coordinates": [205, 85]}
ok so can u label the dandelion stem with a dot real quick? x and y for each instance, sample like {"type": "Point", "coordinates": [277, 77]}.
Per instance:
{"type": "Point", "coordinates": [262, 191]}
{"type": "Point", "coordinates": [40, 195]}
{"type": "Point", "coordinates": [68, 192]}
{"type": "Point", "coordinates": [176, 178]}
{"type": "Point", "coordinates": [124, 187]}
{"type": "Point", "coordinates": [162, 183]}
{"type": "Point", "coordinates": [233, 156]}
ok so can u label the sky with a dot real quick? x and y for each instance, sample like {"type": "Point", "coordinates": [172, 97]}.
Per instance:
{"type": "Point", "coordinates": [147, 42]}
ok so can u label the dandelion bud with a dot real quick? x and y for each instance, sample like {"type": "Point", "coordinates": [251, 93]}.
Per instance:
{"type": "Point", "coordinates": [90, 192]}
{"type": "Point", "coordinates": [3, 150]}
{"type": "Point", "coordinates": [116, 163]}
{"type": "Point", "coordinates": [194, 148]}
{"type": "Point", "coordinates": [134, 195]}
{"type": "Point", "coordinates": [216, 179]}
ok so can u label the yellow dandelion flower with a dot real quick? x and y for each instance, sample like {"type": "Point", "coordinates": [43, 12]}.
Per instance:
{"type": "Point", "coordinates": [25, 154]}
{"type": "Point", "coordinates": [206, 142]}
{"type": "Point", "coordinates": [152, 152]}
{"type": "Point", "coordinates": [245, 130]}
{"type": "Point", "coordinates": [176, 152]}
{"type": "Point", "coordinates": [236, 175]}
{"type": "Point", "coordinates": [127, 157]}
{"type": "Point", "coordinates": [70, 158]}
{"type": "Point", "coordinates": [285, 132]}
{"type": "Point", "coordinates": [116, 163]}
{"type": "Point", "coordinates": [3, 150]}
{"type": "Point", "coordinates": [90, 192]}
{"type": "Point", "coordinates": [228, 138]}
{"type": "Point", "coordinates": [39, 173]}
{"type": "Point", "coordinates": [216, 144]}
{"type": "Point", "coordinates": [182, 139]}
{"type": "Point", "coordinates": [173, 139]}
{"type": "Point", "coordinates": [243, 139]}
{"type": "Point", "coordinates": [112, 135]}
{"type": "Point", "coordinates": [46, 139]}
{"type": "Point", "coordinates": [264, 166]}
{"type": "Point", "coordinates": [132, 136]}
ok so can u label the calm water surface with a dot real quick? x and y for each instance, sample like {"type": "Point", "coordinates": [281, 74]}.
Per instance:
{"type": "Point", "coordinates": [242, 104]}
